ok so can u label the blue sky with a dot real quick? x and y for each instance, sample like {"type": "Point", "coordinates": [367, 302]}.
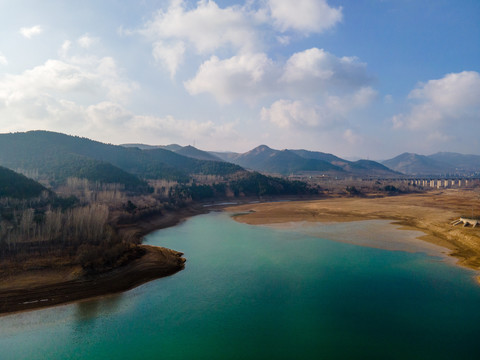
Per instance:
{"type": "Point", "coordinates": [363, 78]}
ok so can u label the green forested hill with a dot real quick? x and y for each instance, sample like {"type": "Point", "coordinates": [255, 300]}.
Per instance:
{"type": "Point", "coordinates": [415, 164]}
{"type": "Point", "coordinates": [284, 162]}
{"type": "Point", "coordinates": [287, 162]}
{"type": "Point", "coordinates": [194, 153]}
{"type": "Point", "coordinates": [245, 184]}
{"type": "Point", "coordinates": [58, 164]}
{"type": "Point", "coordinates": [51, 153]}
{"type": "Point", "coordinates": [265, 159]}
{"type": "Point", "coordinates": [18, 186]}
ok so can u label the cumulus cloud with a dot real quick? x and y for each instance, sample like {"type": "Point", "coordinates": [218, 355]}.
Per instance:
{"type": "Point", "coordinates": [316, 69]}
{"type": "Point", "coordinates": [58, 78]}
{"type": "Point", "coordinates": [54, 75]}
{"type": "Point", "coordinates": [239, 77]}
{"type": "Point", "coordinates": [333, 112]}
{"type": "Point", "coordinates": [446, 102]}
{"type": "Point", "coordinates": [62, 94]}
{"type": "Point", "coordinates": [171, 56]}
{"type": "Point", "coordinates": [87, 96]}
{"type": "Point", "coordinates": [207, 27]}
{"type": "Point", "coordinates": [30, 32]}
{"type": "Point", "coordinates": [251, 76]}
{"type": "Point", "coordinates": [361, 98]}
{"type": "Point", "coordinates": [124, 124]}
{"type": "Point", "coordinates": [308, 16]}
{"type": "Point", "coordinates": [288, 113]}
{"type": "Point", "coordinates": [108, 121]}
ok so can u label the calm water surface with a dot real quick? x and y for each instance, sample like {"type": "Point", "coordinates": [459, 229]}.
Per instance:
{"type": "Point", "coordinates": [269, 293]}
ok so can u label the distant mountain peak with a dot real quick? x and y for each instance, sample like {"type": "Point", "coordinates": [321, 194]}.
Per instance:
{"type": "Point", "coordinates": [261, 148]}
{"type": "Point", "coordinates": [416, 164]}
{"type": "Point", "coordinates": [287, 161]}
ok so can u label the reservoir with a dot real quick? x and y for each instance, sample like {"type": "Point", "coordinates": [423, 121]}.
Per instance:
{"type": "Point", "coordinates": [255, 292]}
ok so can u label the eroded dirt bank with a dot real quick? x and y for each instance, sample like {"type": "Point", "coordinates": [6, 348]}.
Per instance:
{"type": "Point", "coordinates": [37, 286]}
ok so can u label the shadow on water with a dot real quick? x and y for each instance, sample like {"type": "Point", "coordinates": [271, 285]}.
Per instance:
{"type": "Point", "coordinates": [87, 312]}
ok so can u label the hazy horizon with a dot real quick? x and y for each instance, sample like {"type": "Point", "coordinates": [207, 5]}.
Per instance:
{"type": "Point", "coordinates": [353, 79]}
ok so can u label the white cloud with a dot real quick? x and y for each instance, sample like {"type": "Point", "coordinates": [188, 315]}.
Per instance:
{"type": "Point", "coordinates": [332, 112]}
{"type": "Point", "coordinates": [62, 95]}
{"type": "Point", "coordinates": [86, 96]}
{"type": "Point", "coordinates": [316, 69]}
{"type": "Point", "coordinates": [362, 97]}
{"type": "Point", "coordinates": [239, 77]}
{"type": "Point", "coordinates": [109, 121]}
{"type": "Point", "coordinates": [287, 114]}
{"type": "Point", "coordinates": [252, 76]}
{"type": "Point", "coordinates": [61, 79]}
{"type": "Point", "coordinates": [3, 60]}
{"type": "Point", "coordinates": [124, 124]}
{"type": "Point", "coordinates": [53, 76]}
{"type": "Point", "coordinates": [453, 90]}
{"type": "Point", "coordinates": [308, 16]}
{"type": "Point", "coordinates": [29, 32]}
{"type": "Point", "coordinates": [171, 56]}
{"type": "Point", "coordinates": [444, 103]}
{"type": "Point", "coordinates": [206, 27]}
{"type": "Point", "coordinates": [236, 30]}
{"type": "Point", "coordinates": [107, 115]}
{"type": "Point", "coordinates": [87, 41]}
{"type": "Point", "coordinates": [169, 127]}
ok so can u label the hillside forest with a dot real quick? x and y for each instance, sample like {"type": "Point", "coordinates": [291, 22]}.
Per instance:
{"type": "Point", "coordinates": [70, 200]}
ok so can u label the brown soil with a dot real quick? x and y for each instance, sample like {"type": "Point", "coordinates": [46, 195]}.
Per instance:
{"type": "Point", "coordinates": [53, 280]}
{"type": "Point", "coordinates": [27, 291]}
{"type": "Point", "coordinates": [430, 213]}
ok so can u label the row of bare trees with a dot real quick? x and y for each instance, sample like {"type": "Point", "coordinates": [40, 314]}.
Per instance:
{"type": "Point", "coordinates": [93, 192]}
{"type": "Point", "coordinates": [31, 231]}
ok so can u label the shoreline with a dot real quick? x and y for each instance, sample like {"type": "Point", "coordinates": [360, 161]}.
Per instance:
{"type": "Point", "coordinates": [426, 212]}
{"type": "Point", "coordinates": [155, 263]}
{"type": "Point", "coordinates": [429, 213]}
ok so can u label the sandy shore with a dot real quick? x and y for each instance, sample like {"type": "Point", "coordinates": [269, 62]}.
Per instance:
{"type": "Point", "coordinates": [431, 213]}
{"type": "Point", "coordinates": [49, 286]}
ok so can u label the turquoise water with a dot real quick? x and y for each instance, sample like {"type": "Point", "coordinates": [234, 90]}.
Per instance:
{"type": "Point", "coordinates": [261, 293]}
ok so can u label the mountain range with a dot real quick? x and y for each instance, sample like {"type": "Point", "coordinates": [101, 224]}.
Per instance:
{"type": "Point", "coordinates": [442, 163]}
{"type": "Point", "coordinates": [304, 162]}
{"type": "Point", "coordinates": [56, 157]}
{"type": "Point", "coordinates": [285, 162]}
{"type": "Point", "coordinates": [52, 158]}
